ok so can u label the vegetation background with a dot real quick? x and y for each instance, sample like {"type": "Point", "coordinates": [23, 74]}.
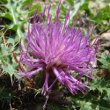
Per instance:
{"type": "Point", "coordinates": [20, 95]}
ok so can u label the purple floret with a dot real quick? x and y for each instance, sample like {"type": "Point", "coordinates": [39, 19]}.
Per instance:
{"type": "Point", "coordinates": [55, 48]}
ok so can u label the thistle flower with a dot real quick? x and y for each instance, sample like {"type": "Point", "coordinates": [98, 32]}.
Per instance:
{"type": "Point", "coordinates": [56, 49]}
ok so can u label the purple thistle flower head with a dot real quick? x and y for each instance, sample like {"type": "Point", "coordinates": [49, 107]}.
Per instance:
{"type": "Point", "coordinates": [56, 49]}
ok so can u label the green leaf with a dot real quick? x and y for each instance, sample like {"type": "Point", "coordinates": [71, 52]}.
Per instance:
{"type": "Point", "coordinates": [13, 27]}
{"type": "Point", "coordinates": [4, 50]}
{"type": "Point", "coordinates": [3, 1]}
{"type": "Point", "coordinates": [55, 107]}
{"type": "Point", "coordinates": [103, 14]}
{"type": "Point", "coordinates": [71, 2]}
{"type": "Point", "coordinates": [76, 7]}
{"type": "Point", "coordinates": [35, 7]}
{"type": "Point", "coordinates": [105, 60]}
{"type": "Point", "coordinates": [108, 92]}
{"type": "Point", "coordinates": [11, 41]}
{"type": "Point", "coordinates": [9, 69]}
{"type": "Point", "coordinates": [5, 94]}
{"type": "Point", "coordinates": [63, 9]}
{"type": "Point", "coordinates": [27, 2]}
{"type": "Point", "coordinates": [6, 15]}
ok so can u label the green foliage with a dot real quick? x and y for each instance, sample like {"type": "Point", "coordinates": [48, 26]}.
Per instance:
{"type": "Point", "coordinates": [5, 94]}
{"type": "Point", "coordinates": [15, 11]}
{"type": "Point", "coordinates": [14, 15]}
{"type": "Point", "coordinates": [103, 14]}
{"type": "Point", "coordinates": [105, 61]}
{"type": "Point", "coordinates": [33, 9]}
{"type": "Point", "coordinates": [54, 107]}
{"type": "Point", "coordinates": [71, 2]}
{"type": "Point", "coordinates": [99, 16]}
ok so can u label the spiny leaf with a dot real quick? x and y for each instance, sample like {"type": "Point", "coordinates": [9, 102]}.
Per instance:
{"type": "Point", "coordinates": [71, 2]}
